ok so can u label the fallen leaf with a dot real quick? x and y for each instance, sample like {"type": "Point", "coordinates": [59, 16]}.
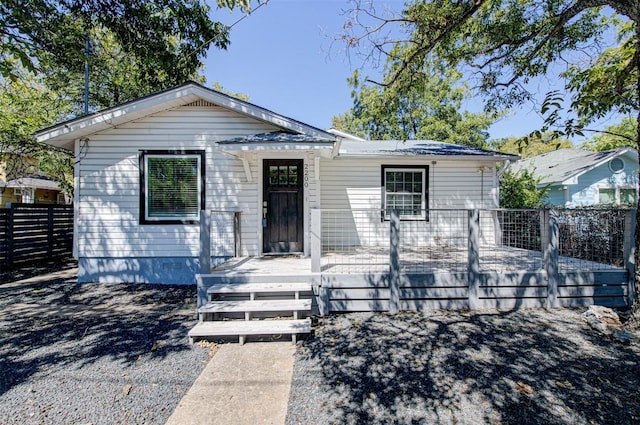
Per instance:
{"type": "Point", "coordinates": [566, 385]}
{"type": "Point", "coordinates": [523, 388]}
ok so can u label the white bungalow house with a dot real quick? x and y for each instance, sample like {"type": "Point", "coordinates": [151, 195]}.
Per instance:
{"type": "Point", "coordinates": [145, 169]}
{"type": "Point", "coordinates": [170, 184]}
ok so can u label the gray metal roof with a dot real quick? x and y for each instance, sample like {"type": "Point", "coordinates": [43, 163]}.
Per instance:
{"type": "Point", "coordinates": [558, 166]}
{"type": "Point", "coordinates": [416, 147]}
{"type": "Point", "coordinates": [34, 180]}
{"type": "Point", "coordinates": [277, 137]}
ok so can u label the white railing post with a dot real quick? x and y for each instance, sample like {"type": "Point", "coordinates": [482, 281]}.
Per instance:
{"type": "Point", "coordinates": [497, 228]}
{"type": "Point", "coordinates": [237, 234]}
{"type": "Point", "coordinates": [473, 258]}
{"type": "Point", "coordinates": [205, 242]}
{"type": "Point", "coordinates": [316, 240]}
{"type": "Point", "coordinates": [394, 262]}
{"type": "Point", "coordinates": [550, 231]}
{"type": "Point", "coordinates": [629, 251]}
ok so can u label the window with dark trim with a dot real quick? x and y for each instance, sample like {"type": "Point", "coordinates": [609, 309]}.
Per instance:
{"type": "Point", "coordinates": [171, 186]}
{"type": "Point", "coordinates": [405, 188]}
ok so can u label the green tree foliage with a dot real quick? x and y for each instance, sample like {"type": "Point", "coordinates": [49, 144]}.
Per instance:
{"type": "Point", "coordinates": [520, 190]}
{"type": "Point", "coordinates": [425, 106]}
{"type": "Point", "coordinates": [158, 34]}
{"type": "Point", "coordinates": [25, 106]}
{"type": "Point", "coordinates": [528, 147]}
{"type": "Point", "coordinates": [218, 87]}
{"type": "Point", "coordinates": [137, 47]}
{"type": "Point", "coordinates": [624, 133]}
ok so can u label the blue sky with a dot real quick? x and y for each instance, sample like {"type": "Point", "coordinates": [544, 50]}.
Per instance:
{"type": "Point", "coordinates": [285, 58]}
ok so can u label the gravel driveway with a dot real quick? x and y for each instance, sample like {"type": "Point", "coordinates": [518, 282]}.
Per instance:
{"type": "Point", "coordinates": [522, 367]}
{"type": "Point", "coordinates": [95, 353]}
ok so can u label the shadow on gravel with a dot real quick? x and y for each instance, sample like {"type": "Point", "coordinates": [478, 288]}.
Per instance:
{"type": "Point", "coordinates": [26, 271]}
{"type": "Point", "coordinates": [522, 367]}
{"type": "Point", "coordinates": [59, 323]}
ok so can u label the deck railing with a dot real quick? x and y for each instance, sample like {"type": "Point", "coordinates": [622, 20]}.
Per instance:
{"type": "Point", "coordinates": [220, 237]}
{"type": "Point", "coordinates": [353, 241]}
{"type": "Point", "coordinates": [487, 247]}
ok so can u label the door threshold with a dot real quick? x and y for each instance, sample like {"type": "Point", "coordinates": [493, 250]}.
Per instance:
{"type": "Point", "coordinates": [283, 254]}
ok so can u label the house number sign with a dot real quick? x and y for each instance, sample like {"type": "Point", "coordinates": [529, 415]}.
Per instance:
{"type": "Point", "coordinates": [306, 175]}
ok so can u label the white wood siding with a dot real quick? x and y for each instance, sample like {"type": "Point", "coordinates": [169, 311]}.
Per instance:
{"type": "Point", "coordinates": [355, 184]}
{"type": "Point", "coordinates": [109, 187]}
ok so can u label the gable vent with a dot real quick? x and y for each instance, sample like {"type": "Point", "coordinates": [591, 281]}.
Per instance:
{"type": "Point", "coordinates": [201, 103]}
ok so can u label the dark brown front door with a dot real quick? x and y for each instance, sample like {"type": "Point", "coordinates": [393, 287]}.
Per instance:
{"type": "Point", "coordinates": [282, 206]}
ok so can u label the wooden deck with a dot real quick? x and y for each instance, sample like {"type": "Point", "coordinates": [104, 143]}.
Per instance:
{"type": "Point", "coordinates": [461, 259]}
{"type": "Point", "coordinates": [446, 259]}
{"type": "Point", "coordinates": [275, 264]}
{"type": "Point", "coordinates": [426, 259]}
{"type": "Point", "coordinates": [439, 277]}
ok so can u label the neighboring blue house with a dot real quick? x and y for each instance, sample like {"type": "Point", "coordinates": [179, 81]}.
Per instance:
{"type": "Point", "coordinates": [577, 177]}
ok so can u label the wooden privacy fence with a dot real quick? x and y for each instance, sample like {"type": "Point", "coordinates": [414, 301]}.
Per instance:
{"type": "Point", "coordinates": [33, 232]}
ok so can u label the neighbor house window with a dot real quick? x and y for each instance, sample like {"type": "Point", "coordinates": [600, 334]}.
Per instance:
{"type": "Point", "coordinates": [172, 186]}
{"type": "Point", "coordinates": [617, 196]}
{"type": "Point", "coordinates": [607, 196]}
{"type": "Point", "coordinates": [405, 190]}
{"type": "Point", "coordinates": [628, 197]}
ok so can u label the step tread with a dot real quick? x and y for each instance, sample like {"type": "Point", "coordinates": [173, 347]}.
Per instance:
{"type": "Point", "coordinates": [238, 288]}
{"type": "Point", "coordinates": [255, 305]}
{"type": "Point", "coordinates": [250, 327]}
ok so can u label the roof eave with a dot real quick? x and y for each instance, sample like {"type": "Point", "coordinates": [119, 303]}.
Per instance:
{"type": "Point", "coordinates": [492, 158]}
{"type": "Point", "coordinates": [573, 178]}
{"type": "Point", "coordinates": [63, 134]}
{"type": "Point", "coordinates": [258, 146]}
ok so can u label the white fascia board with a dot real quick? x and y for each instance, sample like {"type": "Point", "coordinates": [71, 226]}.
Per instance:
{"type": "Point", "coordinates": [608, 158]}
{"type": "Point", "coordinates": [259, 113]}
{"type": "Point", "coordinates": [492, 159]}
{"type": "Point", "coordinates": [345, 135]}
{"type": "Point", "coordinates": [64, 134]}
{"type": "Point", "coordinates": [245, 147]}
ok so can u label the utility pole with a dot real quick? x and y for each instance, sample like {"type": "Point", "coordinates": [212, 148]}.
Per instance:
{"type": "Point", "coordinates": [87, 47]}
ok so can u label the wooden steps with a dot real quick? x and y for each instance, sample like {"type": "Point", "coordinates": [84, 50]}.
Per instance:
{"type": "Point", "coordinates": [244, 328]}
{"type": "Point", "coordinates": [255, 306]}
{"type": "Point", "coordinates": [230, 288]}
{"type": "Point", "coordinates": [267, 305]}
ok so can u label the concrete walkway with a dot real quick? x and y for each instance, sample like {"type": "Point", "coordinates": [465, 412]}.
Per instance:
{"type": "Point", "coordinates": [242, 384]}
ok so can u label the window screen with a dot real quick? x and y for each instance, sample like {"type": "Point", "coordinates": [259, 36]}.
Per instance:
{"type": "Point", "coordinates": [172, 187]}
{"type": "Point", "coordinates": [405, 191]}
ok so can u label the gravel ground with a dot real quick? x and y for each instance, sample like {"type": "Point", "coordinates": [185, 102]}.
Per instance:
{"type": "Point", "coordinates": [36, 269]}
{"type": "Point", "coordinates": [95, 353]}
{"type": "Point", "coordinates": [490, 367]}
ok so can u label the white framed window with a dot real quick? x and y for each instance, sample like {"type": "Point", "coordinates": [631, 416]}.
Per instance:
{"type": "Point", "coordinates": [617, 196]}
{"type": "Point", "coordinates": [26, 194]}
{"type": "Point", "coordinates": [172, 186]}
{"type": "Point", "coordinates": [404, 188]}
